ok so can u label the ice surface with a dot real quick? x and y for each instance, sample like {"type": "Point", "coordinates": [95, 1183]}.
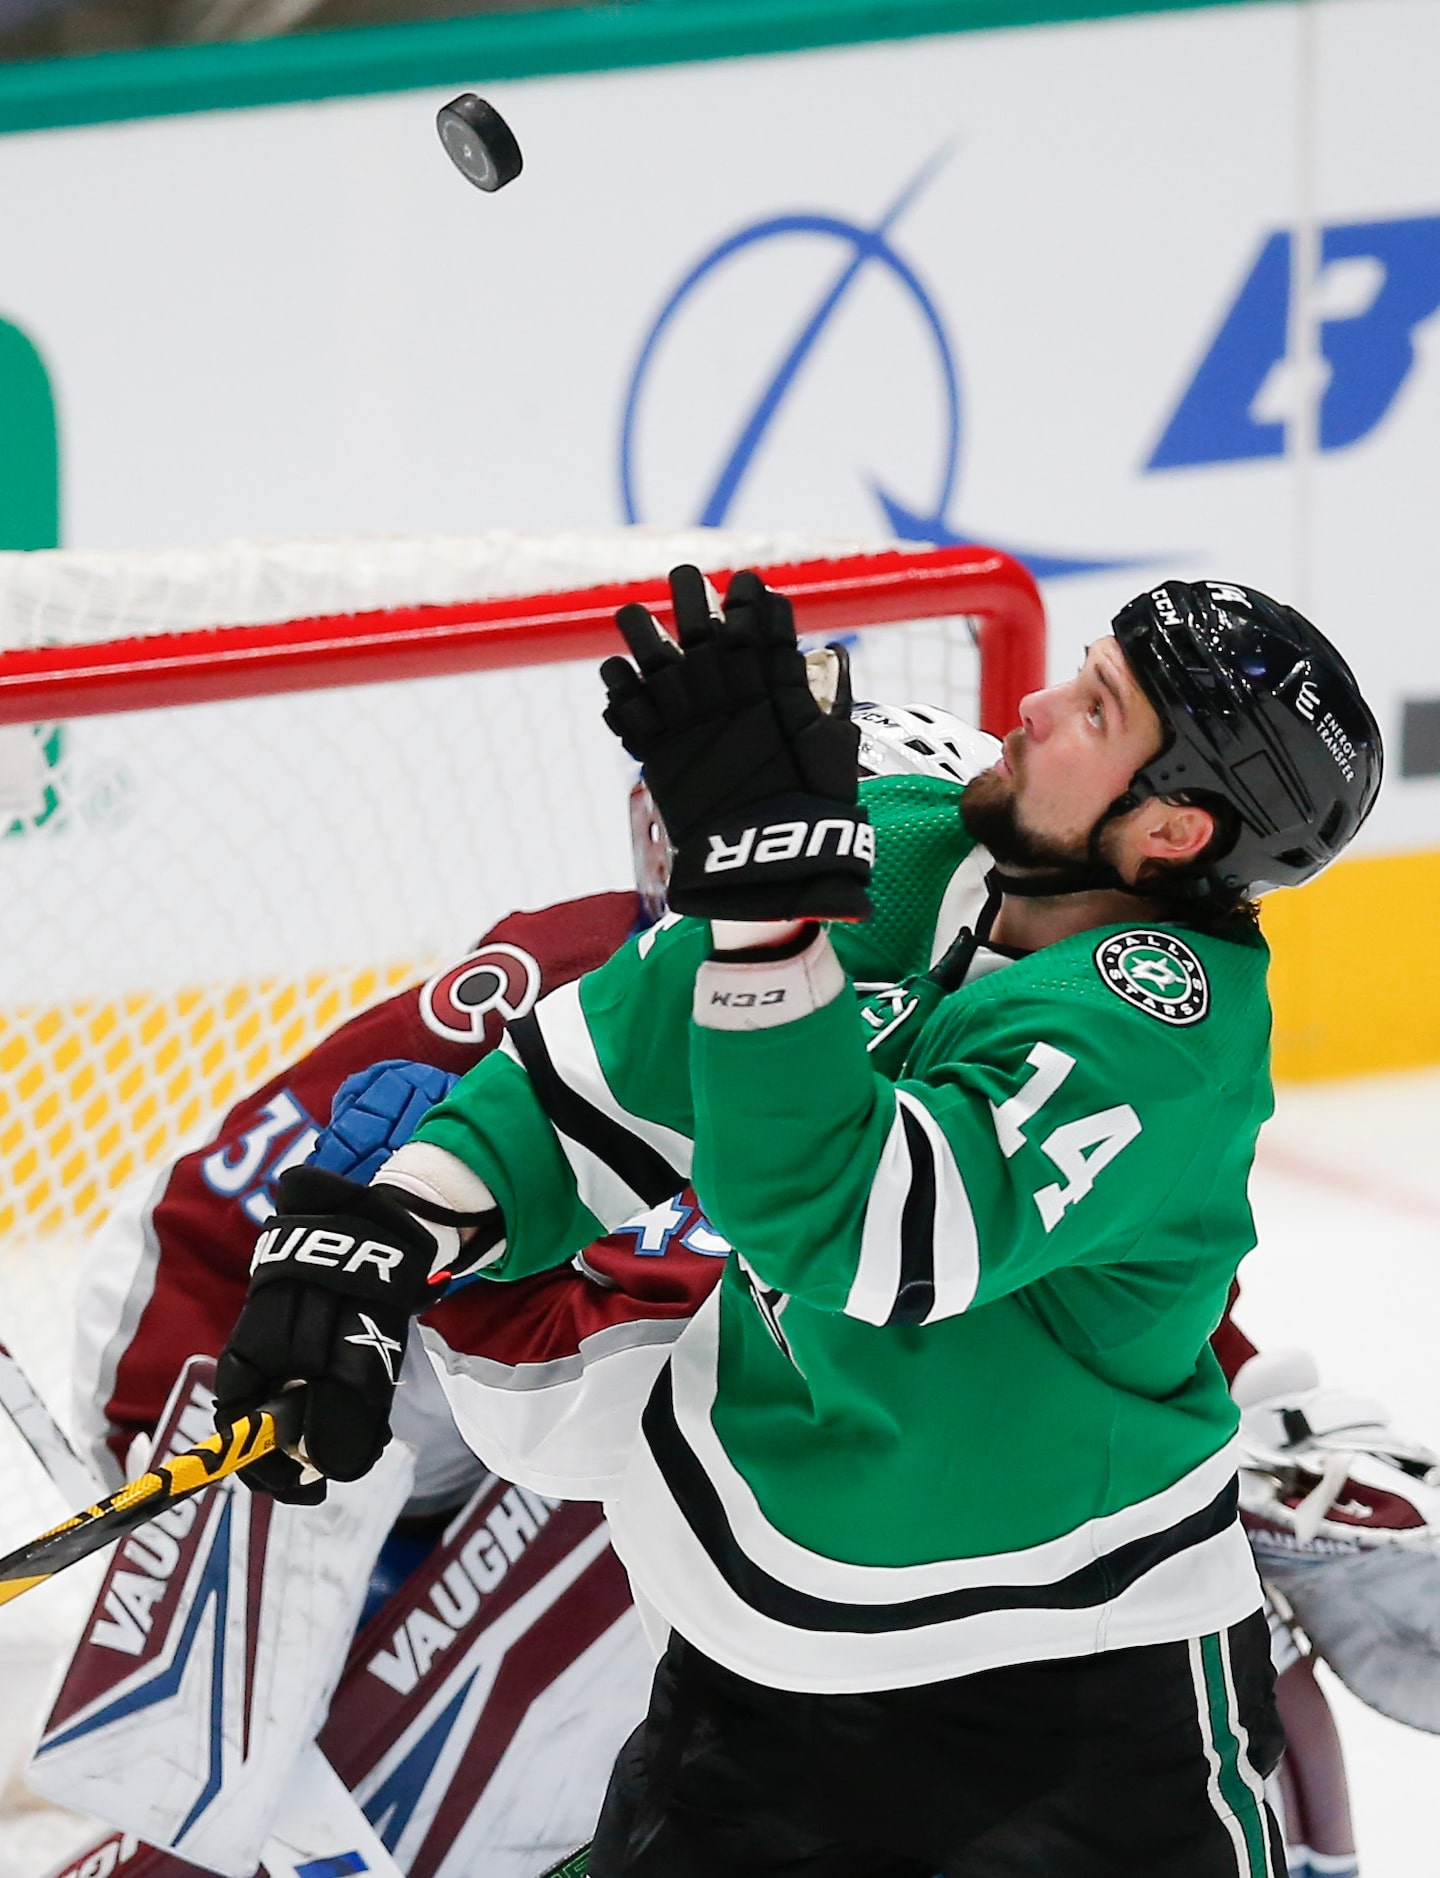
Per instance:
{"type": "Point", "coordinates": [1347, 1205]}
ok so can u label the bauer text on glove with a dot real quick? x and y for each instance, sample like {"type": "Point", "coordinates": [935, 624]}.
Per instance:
{"type": "Point", "coordinates": [338, 1274]}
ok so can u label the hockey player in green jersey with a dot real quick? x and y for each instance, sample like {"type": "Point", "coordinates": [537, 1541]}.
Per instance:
{"type": "Point", "coordinates": [937, 1495]}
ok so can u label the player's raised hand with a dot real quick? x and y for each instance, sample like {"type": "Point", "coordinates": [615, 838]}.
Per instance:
{"type": "Point", "coordinates": [755, 782]}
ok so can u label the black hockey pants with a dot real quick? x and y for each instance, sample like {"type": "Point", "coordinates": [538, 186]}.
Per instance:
{"type": "Point", "coordinates": [1141, 1763]}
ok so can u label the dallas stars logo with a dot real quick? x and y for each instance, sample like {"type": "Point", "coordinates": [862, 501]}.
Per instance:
{"type": "Point", "coordinates": [372, 1337]}
{"type": "Point", "coordinates": [1157, 973]}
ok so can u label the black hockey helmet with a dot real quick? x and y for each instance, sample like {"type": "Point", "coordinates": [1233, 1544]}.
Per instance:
{"type": "Point", "coordinates": [1260, 710]}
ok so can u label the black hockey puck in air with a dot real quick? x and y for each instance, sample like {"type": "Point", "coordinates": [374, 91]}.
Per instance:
{"type": "Point", "coordinates": [479, 142]}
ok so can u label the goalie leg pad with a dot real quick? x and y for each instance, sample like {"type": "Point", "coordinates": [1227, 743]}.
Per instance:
{"type": "Point", "coordinates": [1374, 1616]}
{"type": "Point", "coordinates": [208, 1661]}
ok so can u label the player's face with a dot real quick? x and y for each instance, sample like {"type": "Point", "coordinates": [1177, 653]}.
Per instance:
{"type": "Point", "coordinates": [1078, 745]}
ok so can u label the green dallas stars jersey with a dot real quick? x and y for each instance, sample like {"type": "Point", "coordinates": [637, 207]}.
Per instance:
{"type": "Point", "coordinates": [952, 1404]}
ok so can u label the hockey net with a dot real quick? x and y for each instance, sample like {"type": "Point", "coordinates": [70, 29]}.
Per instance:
{"type": "Point", "coordinates": [246, 791]}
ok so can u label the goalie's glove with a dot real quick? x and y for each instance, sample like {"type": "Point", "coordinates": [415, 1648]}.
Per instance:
{"type": "Point", "coordinates": [1323, 1467]}
{"type": "Point", "coordinates": [338, 1274]}
{"type": "Point", "coordinates": [376, 1111]}
{"type": "Point", "coordinates": [756, 782]}
{"type": "Point", "coordinates": [1343, 1513]}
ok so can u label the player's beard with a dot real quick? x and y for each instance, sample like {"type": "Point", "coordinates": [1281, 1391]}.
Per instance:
{"type": "Point", "coordinates": [991, 814]}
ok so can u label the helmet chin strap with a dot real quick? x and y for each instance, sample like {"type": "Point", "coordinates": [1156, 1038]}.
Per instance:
{"type": "Point", "coordinates": [1055, 881]}
{"type": "Point", "coordinates": [1092, 875]}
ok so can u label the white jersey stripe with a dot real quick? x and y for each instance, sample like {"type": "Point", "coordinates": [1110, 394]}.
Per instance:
{"type": "Point", "coordinates": [693, 1372]}
{"type": "Point", "coordinates": [602, 1186]}
{"type": "Point", "coordinates": [1209, 1584]}
{"type": "Point", "coordinates": [952, 1248]}
{"type": "Point", "coordinates": [877, 1274]}
{"type": "Point", "coordinates": [609, 1197]}
{"type": "Point", "coordinates": [572, 1050]}
{"type": "Point", "coordinates": [956, 1250]}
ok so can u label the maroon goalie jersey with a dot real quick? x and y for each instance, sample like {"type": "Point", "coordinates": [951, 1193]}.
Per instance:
{"type": "Point", "coordinates": [174, 1273]}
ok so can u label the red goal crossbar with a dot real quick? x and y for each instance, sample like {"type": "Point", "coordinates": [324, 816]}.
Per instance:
{"type": "Point", "coordinates": [194, 667]}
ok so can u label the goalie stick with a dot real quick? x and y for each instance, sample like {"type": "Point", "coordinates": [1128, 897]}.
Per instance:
{"type": "Point", "coordinates": [138, 1501]}
{"type": "Point", "coordinates": [40, 1431]}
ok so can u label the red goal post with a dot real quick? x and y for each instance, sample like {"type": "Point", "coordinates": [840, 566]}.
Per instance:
{"type": "Point", "coordinates": [830, 596]}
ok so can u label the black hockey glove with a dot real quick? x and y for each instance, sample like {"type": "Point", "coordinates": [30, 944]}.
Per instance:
{"type": "Point", "coordinates": [337, 1275]}
{"type": "Point", "coordinates": [756, 784]}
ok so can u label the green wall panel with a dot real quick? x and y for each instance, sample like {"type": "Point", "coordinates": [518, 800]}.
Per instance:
{"type": "Point", "coordinates": [110, 87]}
{"type": "Point", "coordinates": [29, 446]}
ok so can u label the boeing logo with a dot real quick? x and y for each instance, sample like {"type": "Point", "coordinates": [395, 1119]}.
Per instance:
{"type": "Point", "coordinates": [1378, 281]}
{"type": "Point", "coordinates": [860, 251]}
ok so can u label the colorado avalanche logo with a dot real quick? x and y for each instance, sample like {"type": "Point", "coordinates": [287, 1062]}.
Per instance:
{"type": "Point", "coordinates": [499, 978]}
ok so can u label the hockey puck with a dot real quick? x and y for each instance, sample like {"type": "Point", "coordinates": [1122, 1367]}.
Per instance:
{"type": "Point", "coordinates": [479, 142]}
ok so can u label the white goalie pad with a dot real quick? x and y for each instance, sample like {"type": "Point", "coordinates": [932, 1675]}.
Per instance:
{"type": "Point", "coordinates": [319, 1830]}
{"type": "Point", "coordinates": [1373, 1615]}
{"type": "Point", "coordinates": [209, 1659]}
{"type": "Point", "coordinates": [473, 1731]}
{"type": "Point", "coordinates": [483, 1706]}
{"type": "Point", "coordinates": [1343, 1515]}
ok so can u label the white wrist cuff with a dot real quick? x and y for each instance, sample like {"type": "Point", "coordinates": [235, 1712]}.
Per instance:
{"type": "Point", "coordinates": [739, 935]}
{"type": "Point", "coordinates": [436, 1175]}
{"type": "Point", "coordinates": [769, 993]}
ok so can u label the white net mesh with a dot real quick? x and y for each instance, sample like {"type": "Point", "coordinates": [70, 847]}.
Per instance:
{"type": "Point", "coordinates": [191, 898]}
{"type": "Point", "coordinates": [67, 597]}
